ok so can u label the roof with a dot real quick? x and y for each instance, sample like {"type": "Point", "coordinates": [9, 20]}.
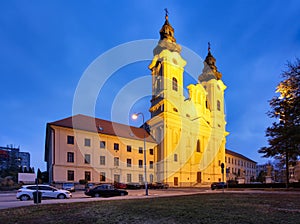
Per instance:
{"type": "Point", "coordinates": [238, 155]}
{"type": "Point", "coordinates": [96, 125]}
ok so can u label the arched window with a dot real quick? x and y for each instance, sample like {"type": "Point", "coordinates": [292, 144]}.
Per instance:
{"type": "Point", "coordinates": [218, 105]}
{"type": "Point", "coordinates": [174, 84]}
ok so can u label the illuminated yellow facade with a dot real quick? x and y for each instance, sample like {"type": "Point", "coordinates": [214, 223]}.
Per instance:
{"type": "Point", "coordinates": [190, 131]}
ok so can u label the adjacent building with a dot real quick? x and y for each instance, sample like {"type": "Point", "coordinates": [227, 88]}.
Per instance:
{"type": "Point", "coordinates": [12, 158]}
{"type": "Point", "coordinates": [239, 167]}
{"type": "Point", "coordinates": [99, 151]}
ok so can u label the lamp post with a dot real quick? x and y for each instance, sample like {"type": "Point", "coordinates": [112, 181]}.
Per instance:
{"type": "Point", "coordinates": [134, 117]}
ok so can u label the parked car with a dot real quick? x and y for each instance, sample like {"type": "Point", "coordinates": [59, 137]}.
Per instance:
{"type": "Point", "coordinates": [218, 185]}
{"type": "Point", "coordinates": [120, 185]}
{"type": "Point", "coordinates": [26, 192]}
{"type": "Point", "coordinates": [159, 185]}
{"type": "Point", "coordinates": [134, 186]}
{"type": "Point", "coordinates": [104, 190]}
{"type": "Point", "coordinates": [69, 187]}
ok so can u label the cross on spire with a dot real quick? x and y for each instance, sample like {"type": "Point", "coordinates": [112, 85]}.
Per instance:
{"type": "Point", "coordinates": [208, 46]}
{"type": "Point", "coordinates": [167, 13]}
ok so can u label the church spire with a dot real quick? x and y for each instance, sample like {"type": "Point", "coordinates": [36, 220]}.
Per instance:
{"type": "Point", "coordinates": [167, 39]}
{"type": "Point", "coordinates": [210, 60]}
{"type": "Point", "coordinates": [210, 69]}
{"type": "Point", "coordinates": [167, 31]}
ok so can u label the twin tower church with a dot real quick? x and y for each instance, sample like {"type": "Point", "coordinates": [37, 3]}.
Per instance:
{"type": "Point", "coordinates": [185, 145]}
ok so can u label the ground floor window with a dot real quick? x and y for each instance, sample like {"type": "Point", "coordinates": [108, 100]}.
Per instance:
{"type": "Point", "coordinates": [102, 176]}
{"type": "Point", "coordinates": [151, 178]}
{"type": "Point", "coordinates": [141, 178]}
{"type": "Point", "coordinates": [117, 178]}
{"type": "Point", "coordinates": [70, 174]}
{"type": "Point", "coordinates": [87, 175]}
{"type": "Point", "coordinates": [129, 177]}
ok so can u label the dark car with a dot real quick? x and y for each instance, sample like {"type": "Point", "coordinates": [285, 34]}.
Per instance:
{"type": "Point", "coordinates": [104, 190]}
{"type": "Point", "coordinates": [158, 185]}
{"type": "Point", "coordinates": [218, 185]}
{"type": "Point", "coordinates": [133, 186]}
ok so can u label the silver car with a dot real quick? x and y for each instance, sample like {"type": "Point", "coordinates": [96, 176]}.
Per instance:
{"type": "Point", "coordinates": [26, 192]}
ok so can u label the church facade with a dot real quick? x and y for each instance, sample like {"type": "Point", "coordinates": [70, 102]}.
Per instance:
{"type": "Point", "coordinates": [191, 132]}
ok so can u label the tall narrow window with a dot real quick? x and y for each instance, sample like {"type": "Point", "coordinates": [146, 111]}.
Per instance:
{"type": "Point", "coordinates": [70, 174]}
{"type": "Point", "coordinates": [70, 157]}
{"type": "Point", "coordinates": [140, 163]}
{"type": "Point", "coordinates": [174, 84]}
{"type": "Point", "coordinates": [102, 176]}
{"type": "Point", "coordinates": [102, 160]}
{"type": "Point", "coordinates": [116, 161]}
{"type": "Point", "coordinates": [117, 178]}
{"type": "Point", "coordinates": [128, 148]}
{"type": "Point", "coordinates": [87, 175]}
{"type": "Point", "coordinates": [151, 164]}
{"type": "Point", "coordinates": [87, 142]}
{"type": "Point", "coordinates": [128, 177]}
{"type": "Point", "coordinates": [198, 146]}
{"type": "Point", "coordinates": [116, 146]}
{"type": "Point", "coordinates": [151, 178]}
{"type": "Point", "coordinates": [128, 162]}
{"type": "Point", "coordinates": [87, 158]}
{"type": "Point", "coordinates": [218, 105]}
{"type": "Point", "coordinates": [141, 178]}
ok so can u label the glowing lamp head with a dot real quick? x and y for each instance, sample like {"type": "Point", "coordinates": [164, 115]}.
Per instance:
{"type": "Point", "coordinates": [134, 116]}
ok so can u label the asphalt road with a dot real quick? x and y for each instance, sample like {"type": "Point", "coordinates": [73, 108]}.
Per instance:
{"type": "Point", "coordinates": [8, 199]}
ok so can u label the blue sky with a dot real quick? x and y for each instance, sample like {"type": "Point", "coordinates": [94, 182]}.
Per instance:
{"type": "Point", "coordinates": [45, 47]}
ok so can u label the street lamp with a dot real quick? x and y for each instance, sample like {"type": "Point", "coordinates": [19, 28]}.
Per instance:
{"type": "Point", "coordinates": [134, 117]}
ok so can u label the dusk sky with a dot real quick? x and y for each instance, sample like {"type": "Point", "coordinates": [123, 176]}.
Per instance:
{"type": "Point", "coordinates": [46, 46]}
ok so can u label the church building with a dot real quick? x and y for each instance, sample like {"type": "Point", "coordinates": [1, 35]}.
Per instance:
{"type": "Point", "coordinates": [185, 145]}
{"type": "Point", "coordinates": [190, 132]}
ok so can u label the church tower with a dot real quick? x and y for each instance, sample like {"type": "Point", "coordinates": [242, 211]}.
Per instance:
{"type": "Point", "coordinates": [167, 69]}
{"type": "Point", "coordinates": [190, 132]}
{"type": "Point", "coordinates": [210, 79]}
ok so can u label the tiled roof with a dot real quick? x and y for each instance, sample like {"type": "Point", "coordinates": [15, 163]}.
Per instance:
{"type": "Point", "coordinates": [96, 125]}
{"type": "Point", "coordinates": [238, 155]}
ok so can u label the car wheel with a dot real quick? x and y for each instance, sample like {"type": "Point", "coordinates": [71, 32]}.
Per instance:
{"type": "Point", "coordinates": [61, 196]}
{"type": "Point", "coordinates": [97, 195]}
{"type": "Point", "coordinates": [24, 197]}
